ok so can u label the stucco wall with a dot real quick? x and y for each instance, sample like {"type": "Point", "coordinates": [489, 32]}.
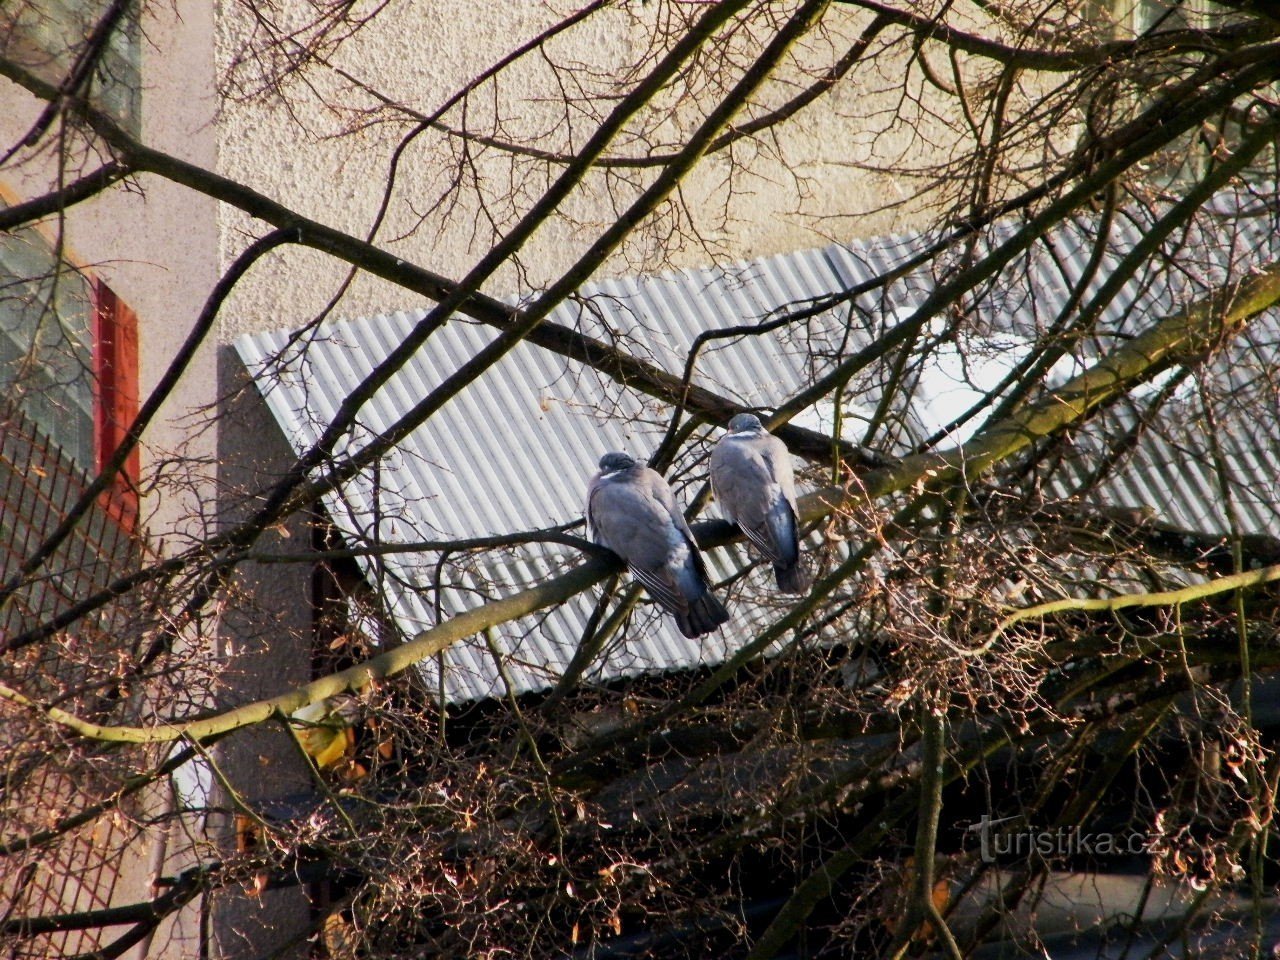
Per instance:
{"type": "Point", "coordinates": [835, 172]}
{"type": "Point", "coordinates": [156, 243]}
{"type": "Point", "coordinates": [158, 246]}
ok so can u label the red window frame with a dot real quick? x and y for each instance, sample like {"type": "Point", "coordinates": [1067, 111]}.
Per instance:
{"type": "Point", "coordinates": [115, 398]}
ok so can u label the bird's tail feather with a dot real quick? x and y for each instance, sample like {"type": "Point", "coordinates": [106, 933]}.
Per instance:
{"type": "Point", "coordinates": [705, 614]}
{"type": "Point", "coordinates": [792, 579]}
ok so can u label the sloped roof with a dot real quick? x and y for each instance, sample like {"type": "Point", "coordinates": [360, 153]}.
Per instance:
{"type": "Point", "coordinates": [513, 452]}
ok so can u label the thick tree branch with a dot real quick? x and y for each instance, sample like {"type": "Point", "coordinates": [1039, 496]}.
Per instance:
{"type": "Point", "coordinates": [1161, 598]}
{"type": "Point", "coordinates": [57, 201]}
{"type": "Point", "coordinates": [1113, 52]}
{"type": "Point", "coordinates": [1157, 126]}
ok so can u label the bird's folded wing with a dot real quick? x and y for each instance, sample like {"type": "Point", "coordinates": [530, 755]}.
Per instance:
{"type": "Point", "coordinates": [764, 537]}
{"type": "Point", "coordinates": [662, 588]}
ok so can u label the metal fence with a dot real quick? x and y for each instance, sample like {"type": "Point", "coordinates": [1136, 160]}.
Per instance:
{"type": "Point", "coordinates": [50, 868]}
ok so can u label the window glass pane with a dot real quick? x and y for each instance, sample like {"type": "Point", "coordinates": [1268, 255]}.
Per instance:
{"type": "Point", "coordinates": [46, 342]}
{"type": "Point", "coordinates": [1188, 159]}
{"type": "Point", "coordinates": [46, 36]}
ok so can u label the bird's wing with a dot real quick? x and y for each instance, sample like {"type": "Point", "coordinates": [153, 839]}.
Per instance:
{"type": "Point", "coordinates": [592, 533]}
{"type": "Point", "coordinates": [605, 525]}
{"type": "Point", "coordinates": [744, 474]}
{"type": "Point", "coordinates": [722, 456]}
{"type": "Point", "coordinates": [783, 472]}
{"type": "Point", "coordinates": [783, 532]}
{"type": "Point", "coordinates": [694, 565]}
{"type": "Point", "coordinates": [662, 587]}
{"type": "Point", "coordinates": [634, 524]}
{"type": "Point", "coordinates": [653, 486]}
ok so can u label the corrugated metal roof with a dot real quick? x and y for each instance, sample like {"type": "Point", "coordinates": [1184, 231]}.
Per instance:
{"type": "Point", "coordinates": [513, 452]}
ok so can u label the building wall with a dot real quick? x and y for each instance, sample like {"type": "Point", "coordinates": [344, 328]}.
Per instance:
{"type": "Point", "coordinates": [158, 246]}
{"type": "Point", "coordinates": [838, 174]}
{"type": "Point", "coordinates": [155, 244]}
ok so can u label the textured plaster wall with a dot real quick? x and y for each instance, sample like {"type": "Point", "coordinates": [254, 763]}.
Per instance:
{"type": "Point", "coordinates": [836, 163]}
{"type": "Point", "coordinates": [155, 246]}
{"type": "Point", "coordinates": [158, 246]}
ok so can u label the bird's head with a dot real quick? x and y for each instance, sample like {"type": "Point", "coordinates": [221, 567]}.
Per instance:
{"type": "Point", "coordinates": [745, 423]}
{"type": "Point", "coordinates": [616, 461]}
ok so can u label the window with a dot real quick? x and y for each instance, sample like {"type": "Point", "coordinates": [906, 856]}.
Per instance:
{"type": "Point", "coordinates": [1187, 159]}
{"type": "Point", "coordinates": [1126, 19]}
{"type": "Point", "coordinates": [69, 359]}
{"type": "Point", "coordinates": [46, 343]}
{"type": "Point", "coordinates": [115, 381]}
{"type": "Point", "coordinates": [47, 36]}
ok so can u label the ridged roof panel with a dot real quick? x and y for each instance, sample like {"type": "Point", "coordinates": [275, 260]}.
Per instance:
{"type": "Point", "coordinates": [514, 451]}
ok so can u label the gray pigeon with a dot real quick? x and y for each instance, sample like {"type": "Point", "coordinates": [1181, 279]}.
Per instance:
{"type": "Point", "coordinates": [630, 510]}
{"type": "Point", "coordinates": [755, 487]}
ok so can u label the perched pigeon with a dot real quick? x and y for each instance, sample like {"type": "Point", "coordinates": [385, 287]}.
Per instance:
{"type": "Point", "coordinates": [756, 489]}
{"type": "Point", "coordinates": [630, 510]}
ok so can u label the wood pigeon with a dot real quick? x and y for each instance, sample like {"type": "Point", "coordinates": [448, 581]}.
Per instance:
{"type": "Point", "coordinates": [631, 510]}
{"type": "Point", "coordinates": [755, 487]}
